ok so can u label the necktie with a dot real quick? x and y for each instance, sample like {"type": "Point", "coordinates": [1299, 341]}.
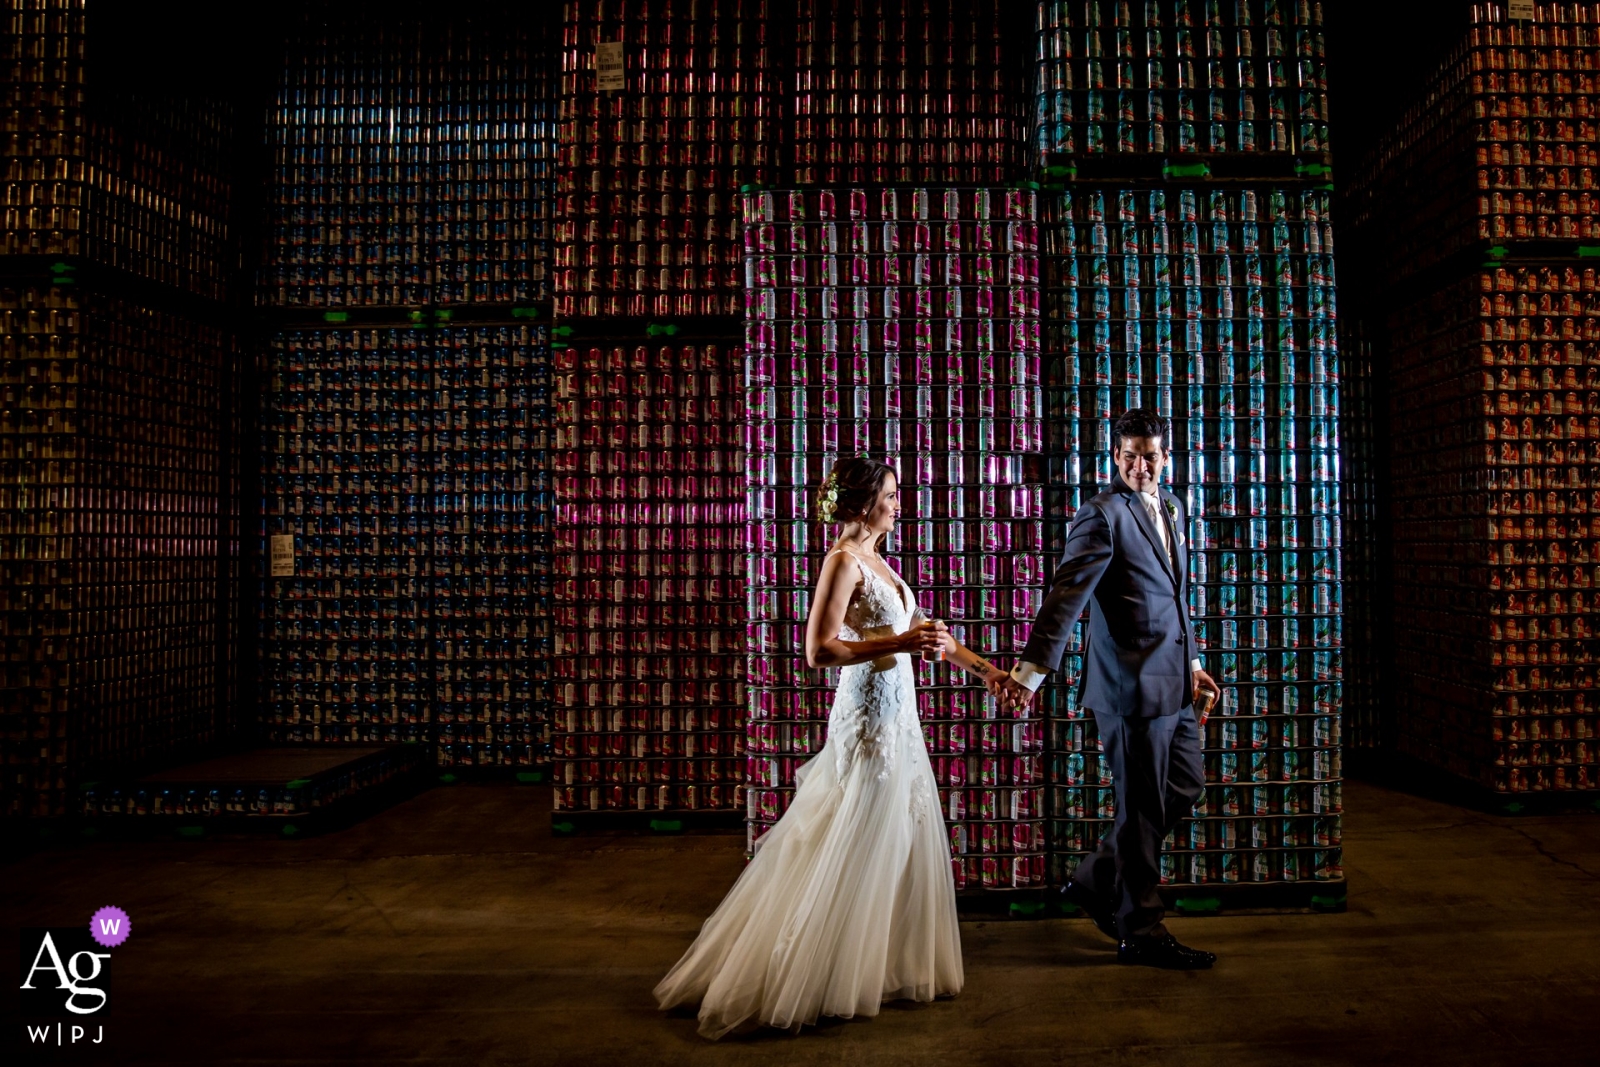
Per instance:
{"type": "Point", "coordinates": [1153, 506]}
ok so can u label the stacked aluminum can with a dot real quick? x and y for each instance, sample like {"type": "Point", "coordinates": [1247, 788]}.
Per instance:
{"type": "Point", "coordinates": [1215, 308]}
{"type": "Point", "coordinates": [1195, 76]}
{"type": "Point", "coordinates": [650, 585]}
{"type": "Point", "coordinates": [402, 465]}
{"type": "Point", "coordinates": [1480, 209]}
{"type": "Point", "coordinates": [902, 324]}
{"type": "Point", "coordinates": [650, 165]}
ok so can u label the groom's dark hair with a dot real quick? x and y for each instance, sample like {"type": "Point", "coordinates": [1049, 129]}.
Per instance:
{"type": "Point", "coordinates": [1140, 422]}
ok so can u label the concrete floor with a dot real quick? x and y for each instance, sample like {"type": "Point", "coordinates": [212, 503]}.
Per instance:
{"type": "Point", "coordinates": [453, 929]}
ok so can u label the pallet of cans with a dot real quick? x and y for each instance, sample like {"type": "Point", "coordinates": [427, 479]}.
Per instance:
{"type": "Point", "coordinates": [1484, 194]}
{"type": "Point", "coordinates": [404, 540]}
{"type": "Point", "coordinates": [1499, 150]}
{"type": "Point", "coordinates": [106, 181]}
{"type": "Point", "coordinates": [901, 324]}
{"type": "Point", "coordinates": [1367, 724]}
{"type": "Point", "coordinates": [1223, 78]}
{"type": "Point", "coordinates": [404, 531]}
{"type": "Point", "coordinates": [1494, 624]}
{"type": "Point", "coordinates": [118, 498]}
{"type": "Point", "coordinates": [649, 708]}
{"type": "Point", "coordinates": [904, 92]}
{"type": "Point", "coordinates": [119, 517]}
{"type": "Point", "coordinates": [665, 112]}
{"type": "Point", "coordinates": [1216, 308]}
{"type": "Point", "coordinates": [411, 166]}
{"type": "Point", "coordinates": [244, 796]}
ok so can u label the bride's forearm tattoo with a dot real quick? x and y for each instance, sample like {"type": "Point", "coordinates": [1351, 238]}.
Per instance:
{"type": "Point", "coordinates": [981, 667]}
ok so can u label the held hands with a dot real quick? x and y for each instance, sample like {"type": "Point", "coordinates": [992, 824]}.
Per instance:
{"type": "Point", "coordinates": [1008, 691]}
{"type": "Point", "coordinates": [1206, 693]}
{"type": "Point", "coordinates": [926, 639]}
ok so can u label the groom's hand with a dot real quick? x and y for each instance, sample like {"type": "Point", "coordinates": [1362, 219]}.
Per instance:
{"type": "Point", "coordinates": [1204, 683]}
{"type": "Point", "coordinates": [1009, 691]}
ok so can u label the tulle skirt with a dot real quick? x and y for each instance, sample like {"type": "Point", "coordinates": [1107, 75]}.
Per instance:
{"type": "Point", "coordinates": [848, 902]}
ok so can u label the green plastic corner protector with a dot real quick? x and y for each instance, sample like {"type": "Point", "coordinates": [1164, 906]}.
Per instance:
{"type": "Point", "coordinates": [290, 829]}
{"type": "Point", "coordinates": [335, 316]}
{"type": "Point", "coordinates": [562, 331]}
{"type": "Point", "coordinates": [1028, 185]}
{"type": "Point", "coordinates": [524, 313]}
{"type": "Point", "coordinates": [1068, 907]}
{"type": "Point", "coordinates": [1589, 251]}
{"type": "Point", "coordinates": [1061, 170]}
{"type": "Point", "coordinates": [191, 831]}
{"type": "Point", "coordinates": [527, 777]}
{"type": "Point", "coordinates": [1199, 905]}
{"type": "Point", "coordinates": [443, 316]}
{"type": "Point", "coordinates": [1026, 907]}
{"type": "Point", "coordinates": [563, 828]}
{"type": "Point", "coordinates": [1186, 170]}
{"type": "Point", "coordinates": [89, 831]}
{"type": "Point", "coordinates": [1496, 252]}
{"type": "Point", "coordinates": [447, 779]}
{"type": "Point", "coordinates": [1328, 901]}
{"type": "Point", "coordinates": [416, 316]}
{"type": "Point", "coordinates": [1515, 807]}
{"type": "Point", "coordinates": [297, 783]}
{"type": "Point", "coordinates": [666, 826]}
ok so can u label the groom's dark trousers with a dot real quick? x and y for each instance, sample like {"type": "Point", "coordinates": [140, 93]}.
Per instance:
{"type": "Point", "coordinates": [1157, 775]}
{"type": "Point", "coordinates": [1137, 682]}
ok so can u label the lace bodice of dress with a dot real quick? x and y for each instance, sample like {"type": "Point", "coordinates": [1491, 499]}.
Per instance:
{"type": "Point", "coordinates": [876, 698]}
{"type": "Point", "coordinates": [879, 611]}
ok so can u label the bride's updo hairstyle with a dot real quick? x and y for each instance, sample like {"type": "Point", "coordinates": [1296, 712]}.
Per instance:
{"type": "Point", "coordinates": [849, 492]}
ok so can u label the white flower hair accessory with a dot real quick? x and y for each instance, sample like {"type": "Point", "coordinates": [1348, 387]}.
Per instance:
{"type": "Point", "coordinates": [828, 499]}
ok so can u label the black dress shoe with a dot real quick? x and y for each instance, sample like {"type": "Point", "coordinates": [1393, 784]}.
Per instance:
{"type": "Point", "coordinates": [1163, 952]}
{"type": "Point", "coordinates": [1093, 905]}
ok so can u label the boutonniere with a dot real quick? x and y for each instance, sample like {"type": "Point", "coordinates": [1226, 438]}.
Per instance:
{"type": "Point", "coordinates": [1172, 514]}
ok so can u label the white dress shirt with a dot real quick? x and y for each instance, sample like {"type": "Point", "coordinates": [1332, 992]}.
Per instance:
{"type": "Point", "coordinates": [1031, 675]}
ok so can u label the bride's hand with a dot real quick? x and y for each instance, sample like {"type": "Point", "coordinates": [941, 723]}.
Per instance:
{"type": "Point", "coordinates": [925, 637]}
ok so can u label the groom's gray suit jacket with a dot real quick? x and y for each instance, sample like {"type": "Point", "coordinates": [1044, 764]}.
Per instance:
{"type": "Point", "coordinates": [1140, 643]}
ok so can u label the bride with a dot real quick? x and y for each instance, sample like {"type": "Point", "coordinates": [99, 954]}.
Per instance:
{"type": "Point", "coordinates": [849, 900]}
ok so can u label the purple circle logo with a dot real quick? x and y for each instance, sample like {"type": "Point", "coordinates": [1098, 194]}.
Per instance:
{"type": "Point", "coordinates": [110, 926]}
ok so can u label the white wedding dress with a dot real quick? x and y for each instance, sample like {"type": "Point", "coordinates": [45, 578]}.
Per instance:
{"type": "Point", "coordinates": [849, 900]}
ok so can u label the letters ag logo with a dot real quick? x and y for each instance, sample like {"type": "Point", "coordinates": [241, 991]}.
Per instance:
{"type": "Point", "coordinates": [65, 974]}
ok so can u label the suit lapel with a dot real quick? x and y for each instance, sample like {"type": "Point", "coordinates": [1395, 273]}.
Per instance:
{"type": "Point", "coordinates": [1142, 517]}
{"type": "Point", "coordinates": [1179, 553]}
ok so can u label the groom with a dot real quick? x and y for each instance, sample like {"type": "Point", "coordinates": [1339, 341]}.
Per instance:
{"type": "Point", "coordinates": [1141, 678]}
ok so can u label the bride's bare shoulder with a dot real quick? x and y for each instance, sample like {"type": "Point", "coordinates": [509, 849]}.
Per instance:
{"type": "Point", "coordinates": [836, 565]}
